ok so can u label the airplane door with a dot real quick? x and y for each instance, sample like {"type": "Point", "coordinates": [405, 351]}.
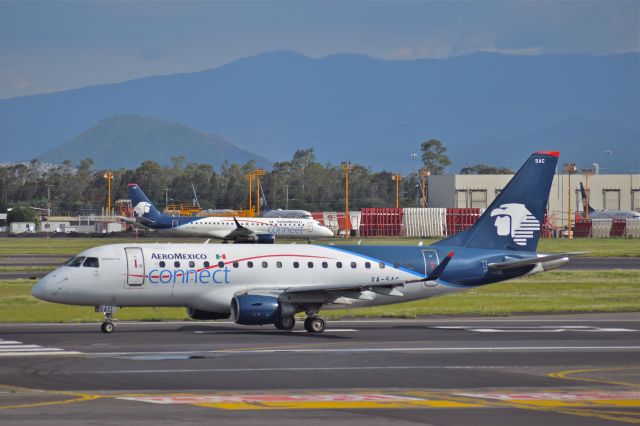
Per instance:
{"type": "Point", "coordinates": [309, 227]}
{"type": "Point", "coordinates": [430, 260]}
{"type": "Point", "coordinates": [135, 266]}
{"type": "Point", "coordinates": [174, 224]}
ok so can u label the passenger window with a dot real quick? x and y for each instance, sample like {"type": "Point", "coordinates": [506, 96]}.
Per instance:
{"type": "Point", "coordinates": [221, 264]}
{"type": "Point", "coordinates": [382, 265]}
{"type": "Point", "coordinates": [249, 264]}
{"type": "Point", "coordinates": [338, 265]}
{"type": "Point", "coordinates": [264, 264]}
{"type": "Point", "coordinates": [206, 263]}
{"type": "Point", "coordinates": [310, 264]}
{"type": "Point", "coordinates": [75, 261]}
{"type": "Point", "coordinates": [91, 262]}
{"type": "Point", "coordinates": [235, 264]}
{"type": "Point", "coordinates": [296, 265]}
{"type": "Point", "coordinates": [191, 264]}
{"type": "Point", "coordinates": [367, 265]}
{"type": "Point", "coordinates": [353, 264]}
{"type": "Point", "coordinates": [162, 263]}
{"type": "Point", "coordinates": [325, 265]}
{"type": "Point", "coordinates": [176, 264]}
{"type": "Point", "coordinates": [278, 264]}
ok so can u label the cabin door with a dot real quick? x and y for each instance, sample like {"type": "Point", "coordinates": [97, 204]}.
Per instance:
{"type": "Point", "coordinates": [135, 266]}
{"type": "Point", "coordinates": [430, 260]}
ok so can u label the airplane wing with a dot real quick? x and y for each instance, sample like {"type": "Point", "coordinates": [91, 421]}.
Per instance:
{"type": "Point", "coordinates": [519, 263]}
{"type": "Point", "coordinates": [240, 233]}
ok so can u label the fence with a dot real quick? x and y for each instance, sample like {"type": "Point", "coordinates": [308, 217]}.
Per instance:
{"type": "Point", "coordinates": [380, 222]}
{"type": "Point", "coordinates": [427, 222]}
{"type": "Point", "coordinates": [459, 220]}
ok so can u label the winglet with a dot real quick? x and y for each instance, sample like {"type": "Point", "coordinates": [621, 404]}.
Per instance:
{"type": "Point", "coordinates": [435, 274]}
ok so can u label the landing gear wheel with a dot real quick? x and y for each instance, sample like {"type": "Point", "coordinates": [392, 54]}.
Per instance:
{"type": "Point", "coordinates": [107, 327]}
{"type": "Point", "coordinates": [286, 323]}
{"type": "Point", "coordinates": [314, 324]}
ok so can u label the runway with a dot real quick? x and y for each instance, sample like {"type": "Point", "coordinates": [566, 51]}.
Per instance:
{"type": "Point", "coordinates": [569, 369]}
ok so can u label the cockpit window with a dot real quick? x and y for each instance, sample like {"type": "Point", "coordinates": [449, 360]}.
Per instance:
{"type": "Point", "coordinates": [75, 261]}
{"type": "Point", "coordinates": [91, 262]}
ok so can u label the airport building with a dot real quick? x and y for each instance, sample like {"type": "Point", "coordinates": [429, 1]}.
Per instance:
{"type": "Point", "coordinates": [606, 192]}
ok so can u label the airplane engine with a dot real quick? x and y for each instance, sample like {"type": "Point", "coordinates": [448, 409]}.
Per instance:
{"type": "Point", "coordinates": [247, 309]}
{"type": "Point", "coordinates": [266, 238]}
{"type": "Point", "coordinates": [197, 314]}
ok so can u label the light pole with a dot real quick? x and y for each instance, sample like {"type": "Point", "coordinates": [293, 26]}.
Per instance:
{"type": "Point", "coordinates": [397, 178]}
{"type": "Point", "coordinates": [424, 175]}
{"type": "Point", "coordinates": [609, 154]}
{"type": "Point", "coordinates": [258, 173]}
{"type": "Point", "coordinates": [569, 168]}
{"type": "Point", "coordinates": [166, 199]}
{"type": "Point", "coordinates": [586, 173]}
{"type": "Point", "coordinates": [109, 177]}
{"type": "Point", "coordinates": [48, 200]}
{"type": "Point", "coordinates": [249, 177]}
{"type": "Point", "coordinates": [413, 157]}
{"type": "Point", "coordinates": [287, 191]}
{"type": "Point", "coordinates": [346, 166]}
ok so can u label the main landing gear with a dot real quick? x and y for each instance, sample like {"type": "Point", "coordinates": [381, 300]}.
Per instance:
{"type": "Point", "coordinates": [314, 324]}
{"type": "Point", "coordinates": [286, 323]}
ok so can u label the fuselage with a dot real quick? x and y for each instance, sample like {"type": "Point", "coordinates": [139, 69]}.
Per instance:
{"type": "Point", "coordinates": [220, 227]}
{"type": "Point", "coordinates": [207, 276]}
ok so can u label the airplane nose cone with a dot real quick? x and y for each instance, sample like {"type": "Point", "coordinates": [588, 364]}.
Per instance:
{"type": "Point", "coordinates": [38, 291]}
{"type": "Point", "coordinates": [45, 289]}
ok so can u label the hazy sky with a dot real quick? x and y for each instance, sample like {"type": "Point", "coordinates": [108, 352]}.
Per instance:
{"type": "Point", "coordinates": [54, 45]}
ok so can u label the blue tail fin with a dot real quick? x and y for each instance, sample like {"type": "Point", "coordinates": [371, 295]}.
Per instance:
{"type": "Point", "coordinates": [587, 207]}
{"type": "Point", "coordinates": [142, 207]}
{"type": "Point", "coordinates": [514, 218]}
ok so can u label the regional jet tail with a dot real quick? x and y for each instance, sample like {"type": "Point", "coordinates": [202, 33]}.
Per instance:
{"type": "Point", "coordinates": [224, 228]}
{"type": "Point", "coordinates": [605, 214]}
{"type": "Point", "coordinates": [270, 284]}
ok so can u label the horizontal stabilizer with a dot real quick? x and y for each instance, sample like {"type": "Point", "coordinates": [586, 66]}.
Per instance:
{"type": "Point", "coordinates": [519, 263]}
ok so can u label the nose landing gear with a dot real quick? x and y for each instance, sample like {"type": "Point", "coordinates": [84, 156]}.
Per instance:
{"type": "Point", "coordinates": [108, 325]}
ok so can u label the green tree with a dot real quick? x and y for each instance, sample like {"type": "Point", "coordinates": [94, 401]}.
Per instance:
{"type": "Point", "coordinates": [433, 156]}
{"type": "Point", "coordinates": [483, 169]}
{"type": "Point", "coordinates": [21, 214]}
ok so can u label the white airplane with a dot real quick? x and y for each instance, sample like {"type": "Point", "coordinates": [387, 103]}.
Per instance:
{"type": "Point", "coordinates": [269, 284]}
{"type": "Point", "coordinates": [605, 214]}
{"type": "Point", "coordinates": [245, 229]}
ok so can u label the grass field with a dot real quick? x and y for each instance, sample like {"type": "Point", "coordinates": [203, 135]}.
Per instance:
{"type": "Point", "coordinates": [555, 291]}
{"type": "Point", "coordinates": [605, 247]}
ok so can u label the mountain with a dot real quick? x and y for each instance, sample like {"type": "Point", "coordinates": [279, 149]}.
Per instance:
{"type": "Point", "coordinates": [370, 111]}
{"type": "Point", "coordinates": [128, 140]}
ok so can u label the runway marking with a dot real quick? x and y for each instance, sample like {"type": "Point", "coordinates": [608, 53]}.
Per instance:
{"type": "Point", "coordinates": [266, 369]}
{"type": "Point", "coordinates": [538, 329]}
{"type": "Point", "coordinates": [304, 401]}
{"type": "Point", "coordinates": [14, 348]}
{"type": "Point", "coordinates": [77, 397]}
{"type": "Point", "coordinates": [567, 375]}
{"type": "Point", "coordinates": [329, 330]}
{"type": "Point", "coordinates": [381, 350]}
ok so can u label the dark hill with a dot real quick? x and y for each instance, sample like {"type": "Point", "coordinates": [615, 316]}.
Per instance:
{"type": "Point", "coordinates": [128, 140]}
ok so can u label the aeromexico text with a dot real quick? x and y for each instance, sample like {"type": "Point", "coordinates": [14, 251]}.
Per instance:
{"type": "Point", "coordinates": [208, 275]}
{"type": "Point", "coordinates": [178, 256]}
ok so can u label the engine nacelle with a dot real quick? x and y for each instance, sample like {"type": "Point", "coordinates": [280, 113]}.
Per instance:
{"type": "Point", "coordinates": [266, 238]}
{"type": "Point", "coordinates": [247, 309]}
{"type": "Point", "coordinates": [197, 314]}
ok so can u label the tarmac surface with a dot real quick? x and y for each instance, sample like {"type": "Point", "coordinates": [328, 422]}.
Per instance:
{"type": "Point", "coordinates": [524, 370]}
